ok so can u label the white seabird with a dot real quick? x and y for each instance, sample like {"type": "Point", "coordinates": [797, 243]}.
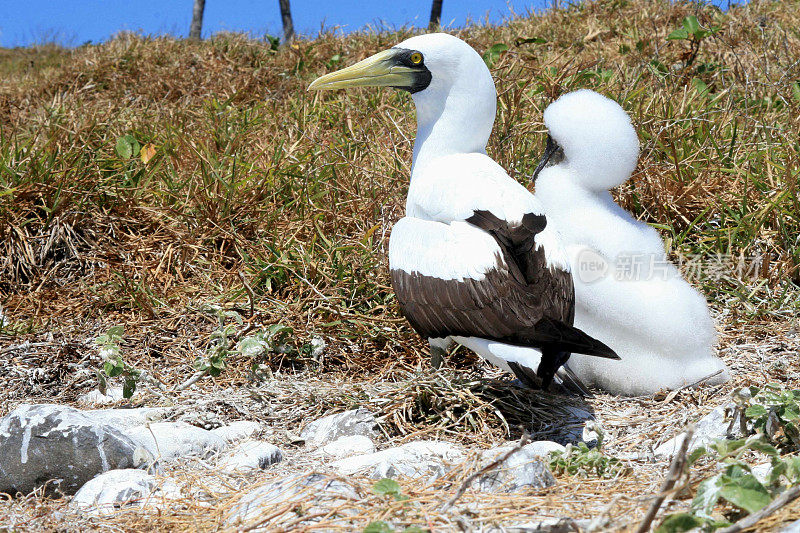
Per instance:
{"type": "Point", "coordinates": [628, 294]}
{"type": "Point", "coordinates": [474, 259]}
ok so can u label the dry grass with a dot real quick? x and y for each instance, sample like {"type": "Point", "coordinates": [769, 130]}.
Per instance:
{"type": "Point", "coordinates": [296, 192]}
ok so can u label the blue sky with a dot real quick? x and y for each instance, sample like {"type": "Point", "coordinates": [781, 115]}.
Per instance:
{"type": "Point", "coordinates": [74, 22]}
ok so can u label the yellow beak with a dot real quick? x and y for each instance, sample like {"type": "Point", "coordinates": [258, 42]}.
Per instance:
{"type": "Point", "coordinates": [380, 70]}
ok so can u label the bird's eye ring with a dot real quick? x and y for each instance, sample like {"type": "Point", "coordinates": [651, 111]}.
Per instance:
{"type": "Point", "coordinates": [416, 58]}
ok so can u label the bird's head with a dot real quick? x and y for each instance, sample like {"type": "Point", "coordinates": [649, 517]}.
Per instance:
{"type": "Point", "coordinates": [401, 68]}
{"type": "Point", "coordinates": [448, 80]}
{"type": "Point", "coordinates": [592, 137]}
{"type": "Point", "coordinates": [432, 62]}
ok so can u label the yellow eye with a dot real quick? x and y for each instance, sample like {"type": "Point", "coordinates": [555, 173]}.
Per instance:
{"type": "Point", "coordinates": [416, 58]}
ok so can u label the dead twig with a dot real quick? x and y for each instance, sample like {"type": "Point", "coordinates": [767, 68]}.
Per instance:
{"type": "Point", "coordinates": [603, 518]}
{"type": "Point", "coordinates": [749, 521]}
{"type": "Point", "coordinates": [250, 294]}
{"type": "Point", "coordinates": [488, 468]}
{"type": "Point", "coordinates": [189, 382]}
{"type": "Point", "coordinates": [674, 474]}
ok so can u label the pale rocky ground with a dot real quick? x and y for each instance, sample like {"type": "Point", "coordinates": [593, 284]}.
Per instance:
{"type": "Point", "coordinates": [269, 457]}
{"type": "Point", "coordinates": [111, 459]}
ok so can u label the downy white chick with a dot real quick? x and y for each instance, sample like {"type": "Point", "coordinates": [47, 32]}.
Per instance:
{"type": "Point", "coordinates": [627, 294]}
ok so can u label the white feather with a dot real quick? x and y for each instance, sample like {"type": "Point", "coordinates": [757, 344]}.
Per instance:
{"type": "Point", "coordinates": [446, 251]}
{"type": "Point", "coordinates": [500, 354]}
{"type": "Point", "coordinates": [658, 324]}
{"type": "Point", "coordinates": [597, 137]}
{"type": "Point", "coordinates": [456, 111]}
{"type": "Point", "coordinates": [453, 187]}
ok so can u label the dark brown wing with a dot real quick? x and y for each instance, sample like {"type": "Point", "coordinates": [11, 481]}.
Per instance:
{"type": "Point", "coordinates": [529, 265]}
{"type": "Point", "coordinates": [521, 301]}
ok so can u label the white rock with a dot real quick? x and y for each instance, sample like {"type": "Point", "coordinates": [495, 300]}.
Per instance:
{"type": "Point", "coordinates": [549, 525]}
{"type": "Point", "coordinates": [129, 418]}
{"type": "Point", "coordinates": [241, 429]}
{"type": "Point", "coordinates": [414, 459]}
{"type": "Point", "coordinates": [347, 446]}
{"type": "Point", "coordinates": [329, 428]}
{"type": "Point", "coordinates": [95, 397]}
{"type": "Point", "coordinates": [711, 427]}
{"type": "Point", "coordinates": [168, 440]}
{"type": "Point", "coordinates": [251, 455]}
{"type": "Point", "coordinates": [118, 489]}
{"type": "Point", "coordinates": [46, 442]}
{"type": "Point", "coordinates": [543, 448]}
{"type": "Point", "coordinates": [524, 469]}
{"type": "Point", "coordinates": [311, 491]}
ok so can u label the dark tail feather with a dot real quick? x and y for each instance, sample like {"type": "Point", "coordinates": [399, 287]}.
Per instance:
{"type": "Point", "coordinates": [526, 375]}
{"type": "Point", "coordinates": [555, 334]}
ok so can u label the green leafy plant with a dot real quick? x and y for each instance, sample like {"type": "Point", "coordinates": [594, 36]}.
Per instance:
{"type": "Point", "coordinates": [774, 411]}
{"type": "Point", "coordinates": [692, 30]}
{"type": "Point", "coordinates": [493, 53]}
{"type": "Point", "coordinates": [334, 61]}
{"type": "Point", "coordinates": [694, 33]}
{"type": "Point", "coordinates": [127, 147]}
{"type": "Point", "coordinates": [256, 347]}
{"type": "Point", "coordinates": [736, 485]}
{"type": "Point", "coordinates": [700, 86]}
{"type": "Point", "coordinates": [796, 92]}
{"type": "Point", "coordinates": [114, 365]}
{"type": "Point", "coordinates": [219, 346]}
{"type": "Point", "coordinates": [389, 487]}
{"type": "Point", "coordinates": [581, 460]}
{"type": "Point", "coordinates": [273, 41]}
{"type": "Point", "coordinates": [379, 526]}
{"type": "Point", "coordinates": [223, 343]}
{"type": "Point", "coordinates": [271, 339]}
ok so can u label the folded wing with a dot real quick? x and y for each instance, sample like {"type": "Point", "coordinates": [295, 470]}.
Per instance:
{"type": "Point", "coordinates": [484, 278]}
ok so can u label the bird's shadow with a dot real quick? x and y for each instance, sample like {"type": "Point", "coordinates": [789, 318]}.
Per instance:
{"type": "Point", "coordinates": [560, 417]}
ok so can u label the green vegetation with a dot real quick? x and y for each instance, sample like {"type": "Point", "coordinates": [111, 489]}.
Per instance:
{"type": "Point", "coordinates": [580, 460]}
{"type": "Point", "coordinates": [113, 363]}
{"type": "Point", "coordinates": [389, 487]}
{"type": "Point", "coordinates": [735, 491]}
{"type": "Point", "coordinates": [774, 412]}
{"type": "Point", "coordinates": [692, 32]}
{"type": "Point", "coordinates": [768, 416]}
{"type": "Point", "coordinates": [219, 346]}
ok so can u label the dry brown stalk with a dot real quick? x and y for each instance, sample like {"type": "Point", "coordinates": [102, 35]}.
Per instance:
{"type": "Point", "coordinates": [675, 472]}
{"type": "Point", "coordinates": [488, 468]}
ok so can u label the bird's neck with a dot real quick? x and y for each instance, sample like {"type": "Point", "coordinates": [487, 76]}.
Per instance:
{"type": "Point", "coordinates": [458, 121]}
